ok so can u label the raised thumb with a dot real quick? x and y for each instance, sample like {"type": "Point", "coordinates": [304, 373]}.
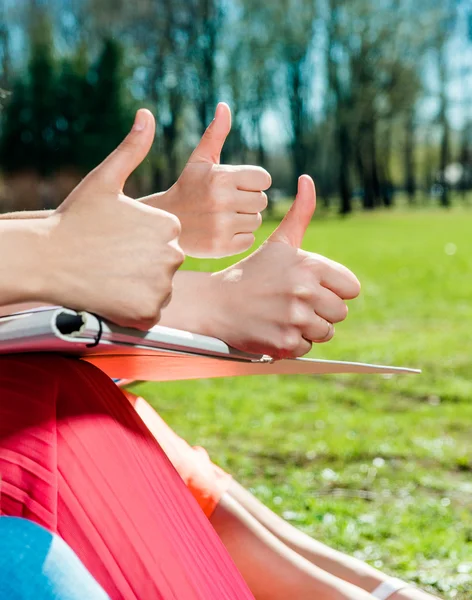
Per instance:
{"type": "Point", "coordinates": [118, 166]}
{"type": "Point", "coordinates": [212, 142]}
{"type": "Point", "coordinates": [292, 229]}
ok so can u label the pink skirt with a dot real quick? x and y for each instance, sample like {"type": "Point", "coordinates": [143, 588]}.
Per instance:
{"type": "Point", "coordinates": [76, 458]}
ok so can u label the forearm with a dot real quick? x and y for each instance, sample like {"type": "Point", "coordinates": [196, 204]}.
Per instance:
{"type": "Point", "coordinates": [26, 214]}
{"type": "Point", "coordinates": [21, 268]}
{"type": "Point", "coordinates": [158, 200]}
{"type": "Point", "coordinates": [194, 304]}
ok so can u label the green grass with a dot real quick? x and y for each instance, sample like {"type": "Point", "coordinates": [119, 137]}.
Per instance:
{"type": "Point", "coordinates": [379, 467]}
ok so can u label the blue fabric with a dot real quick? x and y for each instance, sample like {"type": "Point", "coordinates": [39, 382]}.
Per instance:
{"type": "Point", "coordinates": [37, 565]}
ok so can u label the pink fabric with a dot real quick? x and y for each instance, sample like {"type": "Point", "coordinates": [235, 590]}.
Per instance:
{"type": "Point", "coordinates": [206, 481]}
{"type": "Point", "coordinates": [76, 458]}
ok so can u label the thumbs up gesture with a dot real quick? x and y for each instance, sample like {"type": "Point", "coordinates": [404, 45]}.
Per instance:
{"type": "Point", "coordinates": [107, 253]}
{"type": "Point", "coordinates": [284, 298]}
{"type": "Point", "coordinates": [218, 205]}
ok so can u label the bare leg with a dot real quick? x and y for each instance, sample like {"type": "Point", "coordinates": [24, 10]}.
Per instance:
{"type": "Point", "coordinates": [341, 565]}
{"type": "Point", "coordinates": [276, 559]}
{"type": "Point", "coordinates": [271, 569]}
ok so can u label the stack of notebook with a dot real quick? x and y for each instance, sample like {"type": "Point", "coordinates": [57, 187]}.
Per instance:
{"type": "Point", "coordinates": [160, 354]}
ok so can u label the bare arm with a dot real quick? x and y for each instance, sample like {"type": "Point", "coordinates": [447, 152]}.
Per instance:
{"type": "Point", "coordinates": [277, 301]}
{"type": "Point", "coordinates": [26, 214]}
{"type": "Point", "coordinates": [22, 266]}
{"type": "Point", "coordinates": [61, 258]}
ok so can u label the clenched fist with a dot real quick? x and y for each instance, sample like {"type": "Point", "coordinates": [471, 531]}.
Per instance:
{"type": "Point", "coordinates": [281, 299]}
{"type": "Point", "coordinates": [218, 205]}
{"type": "Point", "coordinates": [107, 253]}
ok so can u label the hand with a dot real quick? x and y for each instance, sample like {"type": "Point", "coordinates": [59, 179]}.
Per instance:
{"type": "Point", "coordinates": [218, 205]}
{"type": "Point", "coordinates": [107, 253]}
{"type": "Point", "coordinates": [281, 299]}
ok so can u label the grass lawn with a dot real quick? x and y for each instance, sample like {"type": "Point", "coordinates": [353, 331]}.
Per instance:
{"type": "Point", "coordinates": [379, 467]}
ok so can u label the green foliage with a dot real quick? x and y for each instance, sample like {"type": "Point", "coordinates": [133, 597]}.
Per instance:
{"type": "Point", "coordinates": [343, 90]}
{"type": "Point", "coordinates": [28, 132]}
{"type": "Point", "coordinates": [72, 97]}
{"type": "Point", "coordinates": [376, 466]}
{"type": "Point", "coordinates": [65, 113]}
{"type": "Point", "coordinates": [108, 116]}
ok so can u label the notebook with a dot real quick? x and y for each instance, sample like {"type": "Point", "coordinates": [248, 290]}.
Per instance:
{"type": "Point", "coordinates": [159, 354]}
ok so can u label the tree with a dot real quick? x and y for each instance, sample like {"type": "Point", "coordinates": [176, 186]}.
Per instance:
{"type": "Point", "coordinates": [74, 92]}
{"type": "Point", "coordinates": [28, 132]}
{"type": "Point", "coordinates": [297, 29]}
{"type": "Point", "coordinates": [341, 94]}
{"type": "Point", "coordinates": [107, 114]}
{"type": "Point", "coordinates": [208, 23]}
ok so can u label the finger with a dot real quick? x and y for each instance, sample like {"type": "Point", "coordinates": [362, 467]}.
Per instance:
{"type": "Point", "coordinates": [303, 347]}
{"type": "Point", "coordinates": [310, 325]}
{"type": "Point", "coordinates": [212, 142]}
{"type": "Point", "coordinates": [292, 344]}
{"type": "Point", "coordinates": [292, 229]}
{"type": "Point", "coordinates": [252, 179]}
{"type": "Point", "coordinates": [247, 223]}
{"type": "Point", "coordinates": [249, 202]}
{"type": "Point", "coordinates": [118, 166]}
{"type": "Point", "coordinates": [339, 279]}
{"type": "Point", "coordinates": [242, 242]}
{"type": "Point", "coordinates": [328, 305]}
{"type": "Point", "coordinates": [318, 330]}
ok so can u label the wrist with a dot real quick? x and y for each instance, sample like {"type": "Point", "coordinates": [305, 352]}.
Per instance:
{"type": "Point", "coordinates": [222, 308]}
{"type": "Point", "coordinates": [196, 304]}
{"type": "Point", "coordinates": [24, 276]}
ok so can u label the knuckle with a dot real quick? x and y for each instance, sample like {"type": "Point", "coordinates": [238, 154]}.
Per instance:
{"type": "Point", "coordinates": [222, 174]}
{"type": "Point", "coordinates": [148, 311]}
{"type": "Point", "coordinates": [304, 292]}
{"type": "Point", "coordinates": [315, 264]}
{"type": "Point", "coordinates": [264, 201]}
{"type": "Point", "coordinates": [175, 228]}
{"type": "Point", "coordinates": [297, 314]}
{"type": "Point", "coordinates": [179, 255]}
{"type": "Point", "coordinates": [290, 342]}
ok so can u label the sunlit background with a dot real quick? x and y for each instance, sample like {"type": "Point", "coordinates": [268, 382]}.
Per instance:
{"type": "Point", "coordinates": [372, 98]}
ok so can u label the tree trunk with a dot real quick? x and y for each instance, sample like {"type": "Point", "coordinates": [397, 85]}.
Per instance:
{"type": "Point", "coordinates": [445, 132]}
{"type": "Point", "coordinates": [410, 181]}
{"type": "Point", "coordinates": [298, 125]}
{"type": "Point", "coordinates": [366, 167]}
{"type": "Point", "coordinates": [386, 186]}
{"type": "Point", "coordinates": [374, 166]}
{"type": "Point", "coordinates": [5, 66]}
{"type": "Point", "coordinates": [344, 152]}
{"type": "Point", "coordinates": [209, 23]}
